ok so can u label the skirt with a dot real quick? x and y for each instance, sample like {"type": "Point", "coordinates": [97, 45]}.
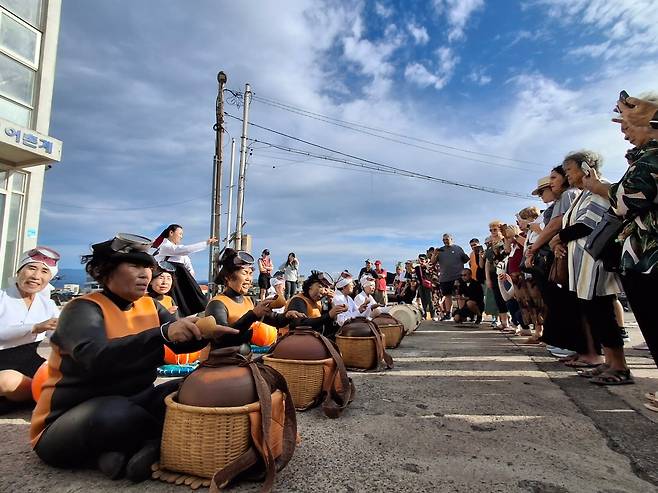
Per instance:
{"type": "Point", "coordinates": [186, 293]}
{"type": "Point", "coordinates": [490, 306]}
{"type": "Point", "coordinates": [23, 359]}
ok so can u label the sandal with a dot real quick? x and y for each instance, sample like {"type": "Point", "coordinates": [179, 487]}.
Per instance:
{"type": "Point", "coordinates": [652, 397]}
{"type": "Point", "coordinates": [614, 377]}
{"type": "Point", "coordinates": [651, 406]}
{"type": "Point", "coordinates": [576, 363]}
{"type": "Point", "coordinates": [594, 372]}
{"type": "Point", "coordinates": [567, 359]}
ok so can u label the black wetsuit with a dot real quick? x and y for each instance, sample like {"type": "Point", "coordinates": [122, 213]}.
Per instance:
{"type": "Point", "coordinates": [323, 324]}
{"type": "Point", "coordinates": [218, 309]}
{"type": "Point", "coordinates": [105, 399]}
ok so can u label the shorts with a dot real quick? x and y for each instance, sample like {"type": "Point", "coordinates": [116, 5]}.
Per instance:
{"type": "Point", "coordinates": [264, 280]}
{"type": "Point", "coordinates": [23, 359]}
{"type": "Point", "coordinates": [447, 288]}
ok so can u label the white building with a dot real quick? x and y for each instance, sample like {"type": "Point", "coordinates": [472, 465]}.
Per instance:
{"type": "Point", "coordinates": [29, 30]}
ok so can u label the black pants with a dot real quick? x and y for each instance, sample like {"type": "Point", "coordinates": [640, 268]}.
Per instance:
{"type": "Point", "coordinates": [641, 293]}
{"type": "Point", "coordinates": [186, 293]}
{"type": "Point", "coordinates": [23, 359]}
{"type": "Point", "coordinates": [600, 315]}
{"type": "Point", "coordinates": [425, 295]}
{"type": "Point", "coordinates": [563, 326]}
{"type": "Point", "coordinates": [105, 424]}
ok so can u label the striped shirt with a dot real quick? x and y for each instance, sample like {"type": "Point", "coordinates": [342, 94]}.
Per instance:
{"type": "Point", "coordinates": [587, 277]}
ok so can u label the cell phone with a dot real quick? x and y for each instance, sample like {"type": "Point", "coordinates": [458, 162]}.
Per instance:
{"type": "Point", "coordinates": [623, 95]}
{"type": "Point", "coordinates": [586, 168]}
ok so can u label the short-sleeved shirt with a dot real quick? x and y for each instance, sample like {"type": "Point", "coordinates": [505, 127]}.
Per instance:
{"type": "Point", "coordinates": [451, 260]}
{"type": "Point", "coordinates": [561, 206]}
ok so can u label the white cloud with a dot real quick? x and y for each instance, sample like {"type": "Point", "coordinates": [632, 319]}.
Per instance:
{"type": "Point", "coordinates": [419, 33]}
{"type": "Point", "coordinates": [479, 77]}
{"type": "Point", "coordinates": [383, 11]}
{"type": "Point", "coordinates": [420, 75]}
{"type": "Point", "coordinates": [628, 28]}
{"type": "Point", "coordinates": [457, 13]}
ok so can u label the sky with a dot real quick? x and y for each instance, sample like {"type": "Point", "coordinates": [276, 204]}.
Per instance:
{"type": "Point", "coordinates": [485, 93]}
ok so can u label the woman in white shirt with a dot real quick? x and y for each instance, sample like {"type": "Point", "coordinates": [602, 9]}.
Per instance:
{"type": "Point", "coordinates": [26, 314]}
{"type": "Point", "coordinates": [186, 292]}
{"type": "Point", "coordinates": [291, 273]}
{"type": "Point", "coordinates": [343, 296]}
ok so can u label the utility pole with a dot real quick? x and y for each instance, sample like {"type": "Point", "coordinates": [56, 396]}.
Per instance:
{"type": "Point", "coordinates": [216, 210]}
{"type": "Point", "coordinates": [230, 195]}
{"type": "Point", "coordinates": [243, 168]}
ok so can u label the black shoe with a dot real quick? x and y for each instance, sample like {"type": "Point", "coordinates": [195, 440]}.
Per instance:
{"type": "Point", "coordinates": [624, 335]}
{"type": "Point", "coordinates": [139, 465]}
{"type": "Point", "coordinates": [112, 464]}
{"type": "Point", "coordinates": [478, 320]}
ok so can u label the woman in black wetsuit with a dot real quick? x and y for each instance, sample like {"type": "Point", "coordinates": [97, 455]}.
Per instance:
{"type": "Point", "coordinates": [234, 308]}
{"type": "Point", "coordinates": [315, 288]}
{"type": "Point", "coordinates": [99, 406]}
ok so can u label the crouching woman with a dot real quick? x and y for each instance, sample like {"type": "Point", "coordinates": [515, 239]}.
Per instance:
{"type": "Point", "coordinates": [99, 407]}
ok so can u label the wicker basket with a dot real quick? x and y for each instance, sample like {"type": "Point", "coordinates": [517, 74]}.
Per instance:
{"type": "Point", "coordinates": [201, 440]}
{"type": "Point", "coordinates": [304, 378]}
{"type": "Point", "coordinates": [392, 334]}
{"type": "Point", "coordinates": [358, 352]}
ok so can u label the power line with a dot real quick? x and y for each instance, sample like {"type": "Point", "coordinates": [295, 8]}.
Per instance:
{"type": "Point", "coordinates": [376, 166]}
{"type": "Point", "coordinates": [358, 127]}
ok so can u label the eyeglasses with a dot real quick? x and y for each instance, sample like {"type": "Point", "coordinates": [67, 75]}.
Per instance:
{"type": "Point", "coordinates": [127, 243]}
{"type": "Point", "coordinates": [44, 254]}
{"type": "Point", "coordinates": [165, 266]}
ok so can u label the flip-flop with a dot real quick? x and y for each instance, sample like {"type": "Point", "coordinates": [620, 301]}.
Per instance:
{"type": "Point", "coordinates": [613, 377]}
{"type": "Point", "coordinates": [651, 407]}
{"type": "Point", "coordinates": [581, 364]}
{"type": "Point", "coordinates": [652, 396]}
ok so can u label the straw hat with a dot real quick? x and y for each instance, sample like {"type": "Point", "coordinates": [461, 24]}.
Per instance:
{"type": "Point", "coordinates": [542, 183]}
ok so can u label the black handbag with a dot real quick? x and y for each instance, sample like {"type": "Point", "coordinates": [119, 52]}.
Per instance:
{"type": "Point", "coordinates": [602, 242]}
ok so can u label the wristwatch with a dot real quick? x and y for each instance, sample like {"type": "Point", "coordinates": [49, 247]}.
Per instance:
{"type": "Point", "coordinates": [654, 121]}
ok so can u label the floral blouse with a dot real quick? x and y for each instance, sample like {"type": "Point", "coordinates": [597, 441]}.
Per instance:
{"type": "Point", "coordinates": [636, 195]}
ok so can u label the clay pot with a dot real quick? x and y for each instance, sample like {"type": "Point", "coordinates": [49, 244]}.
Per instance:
{"type": "Point", "coordinates": [385, 319]}
{"type": "Point", "coordinates": [222, 386]}
{"type": "Point", "coordinates": [358, 327]}
{"type": "Point", "coordinates": [300, 346]}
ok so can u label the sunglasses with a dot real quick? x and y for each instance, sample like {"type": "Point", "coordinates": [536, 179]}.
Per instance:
{"type": "Point", "coordinates": [128, 243]}
{"type": "Point", "coordinates": [45, 255]}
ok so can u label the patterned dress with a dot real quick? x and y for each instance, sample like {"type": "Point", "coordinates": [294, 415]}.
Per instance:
{"type": "Point", "coordinates": [636, 195]}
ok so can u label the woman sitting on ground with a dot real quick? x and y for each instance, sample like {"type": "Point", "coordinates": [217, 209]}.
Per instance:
{"type": "Point", "coordinates": [99, 407]}
{"type": "Point", "coordinates": [161, 284]}
{"type": "Point", "coordinates": [26, 313]}
{"type": "Point", "coordinates": [234, 307]}
{"type": "Point", "coordinates": [316, 287]}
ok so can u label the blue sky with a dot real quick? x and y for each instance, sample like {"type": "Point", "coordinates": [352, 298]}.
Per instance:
{"type": "Point", "coordinates": [522, 82]}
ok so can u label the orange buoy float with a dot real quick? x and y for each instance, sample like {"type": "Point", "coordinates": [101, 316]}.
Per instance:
{"type": "Point", "coordinates": [180, 359]}
{"type": "Point", "coordinates": [263, 334]}
{"type": "Point", "coordinates": [38, 380]}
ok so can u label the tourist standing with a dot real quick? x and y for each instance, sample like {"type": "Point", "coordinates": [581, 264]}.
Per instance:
{"type": "Point", "coordinates": [290, 270]}
{"type": "Point", "coordinates": [451, 259]}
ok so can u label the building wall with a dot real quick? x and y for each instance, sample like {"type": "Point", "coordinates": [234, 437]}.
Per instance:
{"type": "Point", "coordinates": [47, 23]}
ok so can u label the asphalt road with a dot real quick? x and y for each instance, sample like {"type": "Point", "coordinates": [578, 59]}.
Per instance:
{"type": "Point", "coordinates": [464, 410]}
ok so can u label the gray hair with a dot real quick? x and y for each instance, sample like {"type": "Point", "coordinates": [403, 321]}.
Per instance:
{"type": "Point", "coordinates": [593, 159]}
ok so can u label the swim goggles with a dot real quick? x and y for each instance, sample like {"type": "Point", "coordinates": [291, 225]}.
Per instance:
{"type": "Point", "coordinates": [128, 243]}
{"type": "Point", "coordinates": [44, 254]}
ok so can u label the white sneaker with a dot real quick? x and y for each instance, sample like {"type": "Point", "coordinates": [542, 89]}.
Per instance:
{"type": "Point", "coordinates": [435, 319]}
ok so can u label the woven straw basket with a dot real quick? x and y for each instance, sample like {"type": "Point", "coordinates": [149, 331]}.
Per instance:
{"type": "Point", "coordinates": [304, 378]}
{"type": "Point", "coordinates": [392, 334]}
{"type": "Point", "coordinates": [358, 352]}
{"type": "Point", "coordinates": [201, 440]}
